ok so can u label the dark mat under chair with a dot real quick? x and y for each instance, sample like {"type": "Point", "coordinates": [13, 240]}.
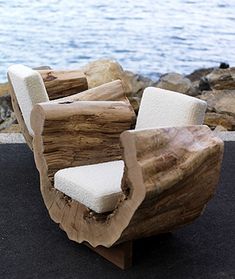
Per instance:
{"type": "Point", "coordinates": [32, 246]}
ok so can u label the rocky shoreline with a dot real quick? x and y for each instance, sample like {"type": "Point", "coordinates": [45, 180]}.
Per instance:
{"type": "Point", "coordinates": [214, 85]}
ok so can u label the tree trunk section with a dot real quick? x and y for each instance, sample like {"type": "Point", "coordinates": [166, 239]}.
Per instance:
{"type": "Point", "coordinates": [63, 83]}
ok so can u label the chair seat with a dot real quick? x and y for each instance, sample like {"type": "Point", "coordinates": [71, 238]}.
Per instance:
{"type": "Point", "coordinates": [96, 186]}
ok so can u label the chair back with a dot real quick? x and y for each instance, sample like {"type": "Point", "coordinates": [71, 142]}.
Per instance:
{"type": "Point", "coordinates": [164, 108]}
{"type": "Point", "coordinates": [29, 90]}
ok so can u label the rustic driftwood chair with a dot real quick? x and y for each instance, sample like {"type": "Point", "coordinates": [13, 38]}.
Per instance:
{"type": "Point", "coordinates": [105, 184]}
{"type": "Point", "coordinates": [29, 87]}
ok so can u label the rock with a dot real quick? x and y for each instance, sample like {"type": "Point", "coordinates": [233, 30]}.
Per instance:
{"type": "Point", "coordinates": [214, 120]}
{"type": "Point", "coordinates": [14, 128]}
{"type": "Point", "coordinates": [220, 79]}
{"type": "Point", "coordinates": [220, 101]}
{"type": "Point", "coordinates": [200, 81]}
{"type": "Point", "coordinates": [198, 74]}
{"type": "Point", "coordinates": [135, 102]}
{"type": "Point", "coordinates": [7, 116]}
{"type": "Point", "coordinates": [195, 90]}
{"type": "Point", "coordinates": [223, 65]}
{"type": "Point", "coordinates": [204, 84]}
{"type": "Point", "coordinates": [103, 71]}
{"type": "Point", "coordinates": [5, 107]}
{"type": "Point", "coordinates": [137, 83]}
{"type": "Point", "coordinates": [175, 82]}
{"type": "Point", "coordinates": [8, 122]}
{"type": "Point", "coordinates": [220, 128]}
{"type": "Point", "coordinates": [3, 88]}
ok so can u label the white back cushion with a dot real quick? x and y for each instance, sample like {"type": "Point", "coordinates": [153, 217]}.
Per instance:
{"type": "Point", "coordinates": [162, 108]}
{"type": "Point", "coordinates": [29, 90]}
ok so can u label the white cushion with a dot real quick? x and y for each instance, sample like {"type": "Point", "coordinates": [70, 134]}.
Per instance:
{"type": "Point", "coordinates": [96, 186]}
{"type": "Point", "coordinates": [29, 90]}
{"type": "Point", "coordinates": [162, 108]}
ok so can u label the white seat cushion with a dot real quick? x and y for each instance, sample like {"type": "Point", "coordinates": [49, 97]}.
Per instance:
{"type": "Point", "coordinates": [164, 108]}
{"type": "Point", "coordinates": [29, 90]}
{"type": "Point", "coordinates": [96, 186]}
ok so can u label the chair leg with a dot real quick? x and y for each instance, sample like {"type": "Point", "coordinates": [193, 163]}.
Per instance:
{"type": "Point", "coordinates": [120, 255]}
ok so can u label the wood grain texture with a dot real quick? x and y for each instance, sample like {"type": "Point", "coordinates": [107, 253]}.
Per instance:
{"type": "Point", "coordinates": [179, 170]}
{"type": "Point", "coordinates": [63, 83]}
{"type": "Point", "coordinates": [111, 91]}
{"type": "Point", "coordinates": [170, 173]}
{"type": "Point", "coordinates": [88, 131]}
{"type": "Point", "coordinates": [60, 85]}
{"type": "Point", "coordinates": [28, 138]}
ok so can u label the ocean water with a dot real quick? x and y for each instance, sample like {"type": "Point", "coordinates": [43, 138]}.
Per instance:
{"type": "Point", "coordinates": [148, 36]}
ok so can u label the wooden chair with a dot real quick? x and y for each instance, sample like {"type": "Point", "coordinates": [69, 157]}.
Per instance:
{"type": "Point", "coordinates": [106, 184]}
{"type": "Point", "coordinates": [29, 87]}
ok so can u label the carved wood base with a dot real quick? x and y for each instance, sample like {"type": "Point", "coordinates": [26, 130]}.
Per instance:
{"type": "Point", "coordinates": [120, 255]}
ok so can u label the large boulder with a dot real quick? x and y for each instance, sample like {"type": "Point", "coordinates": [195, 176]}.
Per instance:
{"type": "Point", "coordinates": [220, 79]}
{"type": "Point", "coordinates": [196, 75]}
{"type": "Point", "coordinates": [197, 79]}
{"type": "Point", "coordinates": [205, 78]}
{"type": "Point", "coordinates": [219, 121]}
{"type": "Point", "coordinates": [104, 70]}
{"type": "Point", "coordinates": [220, 101]}
{"type": "Point", "coordinates": [175, 82]}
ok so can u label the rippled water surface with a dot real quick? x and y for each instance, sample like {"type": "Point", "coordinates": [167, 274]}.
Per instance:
{"type": "Point", "coordinates": [147, 36]}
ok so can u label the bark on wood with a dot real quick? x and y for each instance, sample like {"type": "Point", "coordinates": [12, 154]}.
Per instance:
{"type": "Point", "coordinates": [88, 131]}
{"type": "Point", "coordinates": [63, 83]}
{"type": "Point", "coordinates": [111, 91]}
{"type": "Point", "coordinates": [92, 140]}
{"type": "Point", "coordinates": [178, 169]}
{"type": "Point", "coordinates": [170, 173]}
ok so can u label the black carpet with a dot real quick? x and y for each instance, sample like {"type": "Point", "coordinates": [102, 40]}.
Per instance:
{"type": "Point", "coordinates": [32, 246]}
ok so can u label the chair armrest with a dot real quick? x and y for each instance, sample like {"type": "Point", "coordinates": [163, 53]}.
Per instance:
{"type": "Point", "coordinates": [170, 174]}
{"type": "Point", "coordinates": [111, 91]}
{"type": "Point", "coordinates": [79, 133]}
{"type": "Point", "coordinates": [166, 154]}
{"type": "Point", "coordinates": [63, 83]}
